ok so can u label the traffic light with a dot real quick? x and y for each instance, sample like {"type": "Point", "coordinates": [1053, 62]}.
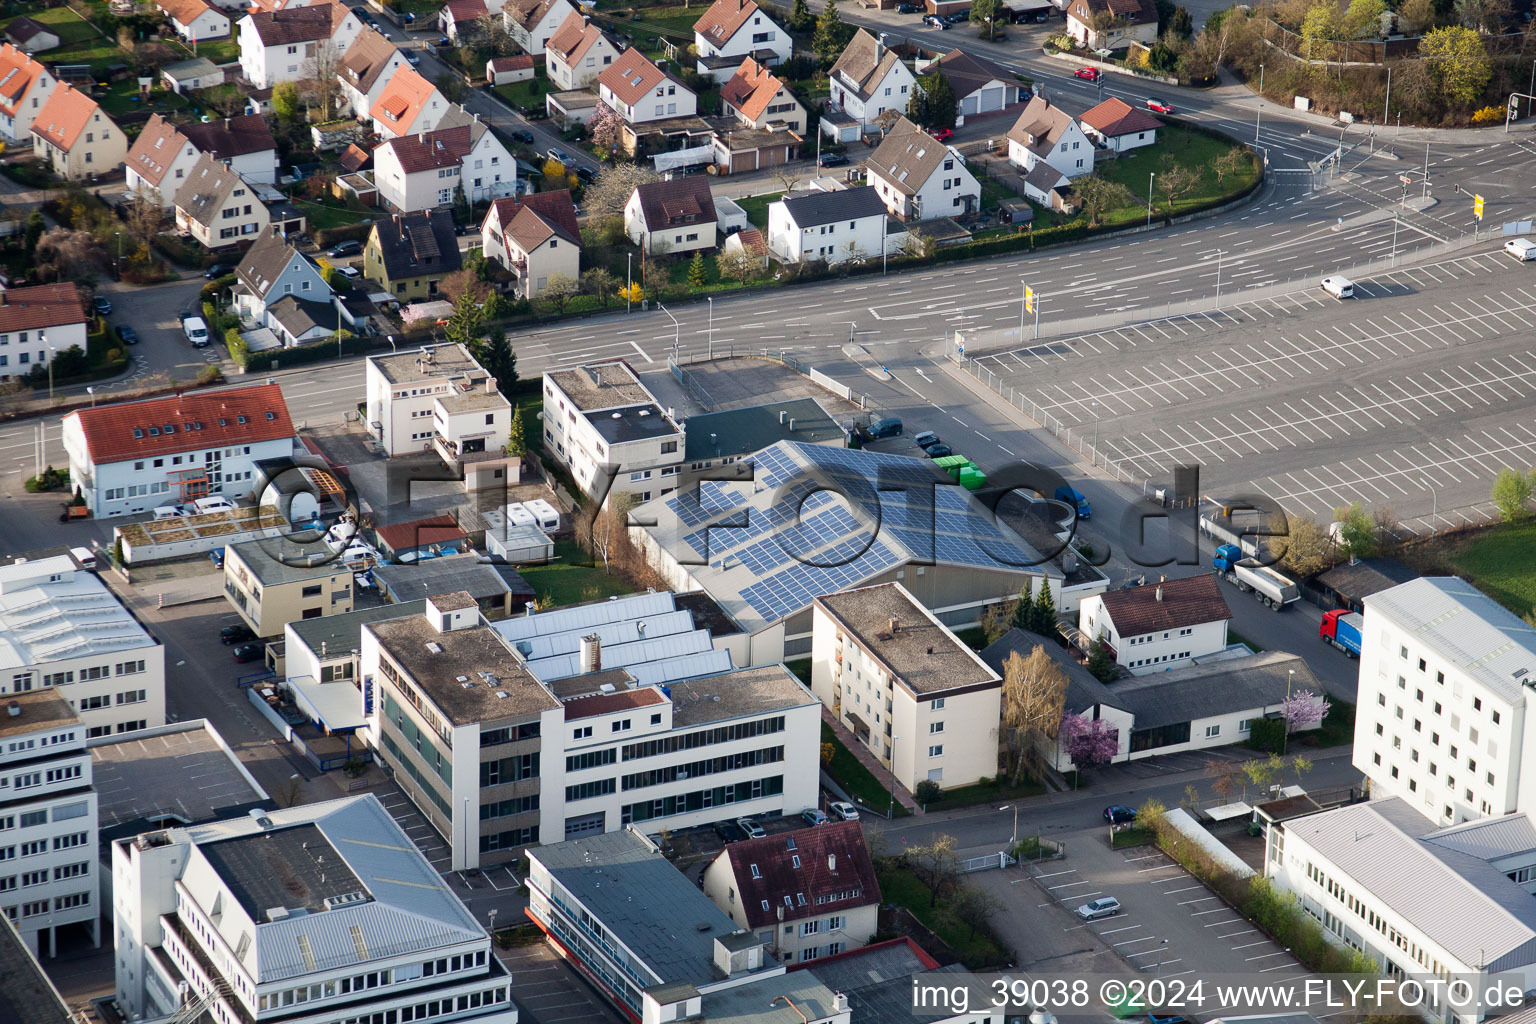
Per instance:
{"type": "Point", "coordinates": [1477, 206]}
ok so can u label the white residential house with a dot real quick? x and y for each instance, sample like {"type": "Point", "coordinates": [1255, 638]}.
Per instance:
{"type": "Point", "coordinates": [1044, 133]}
{"type": "Point", "coordinates": [28, 84]}
{"type": "Point", "coordinates": [1379, 876]}
{"type": "Point", "coordinates": [159, 161]}
{"type": "Point", "coordinates": [410, 105]}
{"type": "Point", "coordinates": [577, 53]}
{"type": "Point", "coordinates": [836, 897]}
{"type": "Point", "coordinates": [923, 703]}
{"type": "Point", "coordinates": [217, 207]}
{"type": "Point", "coordinates": [534, 238]}
{"type": "Point", "coordinates": [37, 323]}
{"type": "Point", "coordinates": [164, 154]}
{"type": "Point", "coordinates": [604, 424]}
{"type": "Point", "coordinates": [76, 136]}
{"type": "Point", "coordinates": [413, 171]}
{"type": "Point", "coordinates": [1158, 626]}
{"type": "Point", "coordinates": [48, 807]}
{"type": "Point", "coordinates": [411, 397]}
{"type": "Point", "coordinates": [272, 269]}
{"type": "Point", "coordinates": [531, 23]}
{"type": "Point", "coordinates": [919, 178]}
{"type": "Point", "coordinates": [290, 44]}
{"type": "Point", "coordinates": [759, 99]}
{"type": "Point", "coordinates": [1120, 127]}
{"type": "Point", "coordinates": [66, 632]}
{"type": "Point", "coordinates": [981, 86]}
{"type": "Point", "coordinates": [366, 68]}
{"type": "Point", "coordinates": [674, 216]}
{"type": "Point", "coordinates": [130, 457]}
{"type": "Point", "coordinates": [244, 144]}
{"type": "Point", "coordinates": [201, 911]}
{"type": "Point", "coordinates": [505, 70]}
{"type": "Point", "coordinates": [195, 20]}
{"type": "Point", "coordinates": [831, 226]}
{"type": "Point", "coordinates": [1442, 706]}
{"type": "Point", "coordinates": [735, 29]}
{"type": "Point", "coordinates": [867, 81]}
{"type": "Point", "coordinates": [1135, 21]}
{"type": "Point", "coordinates": [639, 91]}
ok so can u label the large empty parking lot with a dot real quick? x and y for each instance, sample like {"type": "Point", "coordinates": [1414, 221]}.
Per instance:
{"type": "Point", "coordinates": [1416, 404]}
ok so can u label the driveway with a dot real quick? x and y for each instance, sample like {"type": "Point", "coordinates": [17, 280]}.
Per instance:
{"type": "Point", "coordinates": [155, 311]}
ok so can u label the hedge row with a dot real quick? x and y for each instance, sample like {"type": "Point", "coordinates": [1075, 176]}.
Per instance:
{"type": "Point", "coordinates": [313, 352]}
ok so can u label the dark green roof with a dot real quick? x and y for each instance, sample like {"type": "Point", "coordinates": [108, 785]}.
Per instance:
{"type": "Point", "coordinates": [738, 432]}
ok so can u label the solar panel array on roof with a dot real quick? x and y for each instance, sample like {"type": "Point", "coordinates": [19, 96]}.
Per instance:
{"type": "Point", "coordinates": [707, 502]}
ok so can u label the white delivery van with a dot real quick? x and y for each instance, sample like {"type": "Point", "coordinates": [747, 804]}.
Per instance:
{"type": "Point", "coordinates": [1521, 249]}
{"type": "Point", "coordinates": [203, 506]}
{"type": "Point", "coordinates": [85, 557]}
{"type": "Point", "coordinates": [196, 330]}
{"type": "Point", "coordinates": [1339, 287]}
{"type": "Point", "coordinates": [168, 512]}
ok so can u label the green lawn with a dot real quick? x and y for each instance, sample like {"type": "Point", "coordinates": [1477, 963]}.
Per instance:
{"type": "Point", "coordinates": [1175, 146]}
{"type": "Point", "coordinates": [650, 22]}
{"type": "Point", "coordinates": [1131, 837]}
{"type": "Point", "coordinates": [220, 51]}
{"type": "Point", "coordinates": [325, 215]}
{"type": "Point", "coordinates": [524, 94]}
{"type": "Point", "coordinates": [855, 779]}
{"type": "Point", "coordinates": [757, 207]}
{"type": "Point", "coordinates": [79, 42]}
{"type": "Point", "coordinates": [1501, 562]}
{"type": "Point", "coordinates": [976, 951]}
{"type": "Point", "coordinates": [568, 580]}
{"type": "Point", "coordinates": [1234, 637]}
{"type": "Point", "coordinates": [985, 793]}
{"type": "Point", "coordinates": [123, 98]}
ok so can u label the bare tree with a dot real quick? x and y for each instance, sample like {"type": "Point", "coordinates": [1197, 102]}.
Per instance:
{"type": "Point", "coordinates": [936, 864]}
{"type": "Point", "coordinates": [1226, 777]}
{"type": "Point", "coordinates": [321, 86]}
{"type": "Point", "coordinates": [144, 213]}
{"type": "Point", "coordinates": [738, 264]}
{"type": "Point", "coordinates": [787, 177]}
{"type": "Point", "coordinates": [1177, 180]}
{"type": "Point", "coordinates": [971, 905]}
{"type": "Point", "coordinates": [1034, 694]}
{"type": "Point", "coordinates": [614, 185]}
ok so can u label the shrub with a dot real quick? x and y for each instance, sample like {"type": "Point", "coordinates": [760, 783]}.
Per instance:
{"type": "Point", "coordinates": [239, 351]}
{"type": "Point", "coordinates": [928, 791]}
{"type": "Point", "coordinates": [1488, 115]}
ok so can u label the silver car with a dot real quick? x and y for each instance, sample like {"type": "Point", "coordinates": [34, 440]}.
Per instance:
{"type": "Point", "coordinates": [1104, 906]}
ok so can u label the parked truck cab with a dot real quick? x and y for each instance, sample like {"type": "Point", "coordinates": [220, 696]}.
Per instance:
{"type": "Point", "coordinates": [1071, 496]}
{"type": "Point", "coordinates": [1342, 628]}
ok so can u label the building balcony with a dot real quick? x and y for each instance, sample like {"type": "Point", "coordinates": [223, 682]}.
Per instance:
{"type": "Point", "coordinates": [449, 452]}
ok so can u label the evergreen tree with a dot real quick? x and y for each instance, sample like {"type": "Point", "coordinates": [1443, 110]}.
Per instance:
{"type": "Point", "coordinates": [1021, 610]}
{"type": "Point", "coordinates": [517, 443]}
{"type": "Point", "coordinates": [697, 276]}
{"type": "Point", "coordinates": [831, 35]}
{"type": "Point", "coordinates": [499, 360]}
{"type": "Point", "coordinates": [942, 103]}
{"type": "Point", "coordinates": [801, 17]}
{"type": "Point", "coordinates": [917, 107]}
{"type": "Point", "coordinates": [464, 323]}
{"type": "Point", "coordinates": [1101, 663]}
{"type": "Point", "coordinates": [1045, 610]}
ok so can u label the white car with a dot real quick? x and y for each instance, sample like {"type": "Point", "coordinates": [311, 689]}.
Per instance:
{"type": "Point", "coordinates": [351, 273]}
{"type": "Point", "coordinates": [1104, 906]}
{"type": "Point", "coordinates": [1521, 249]}
{"type": "Point", "coordinates": [1339, 287]}
{"type": "Point", "coordinates": [168, 512]}
{"type": "Point", "coordinates": [843, 811]}
{"type": "Point", "coordinates": [195, 329]}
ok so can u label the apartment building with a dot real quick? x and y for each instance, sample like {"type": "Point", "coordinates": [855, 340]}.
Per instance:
{"type": "Point", "coordinates": [274, 582]}
{"type": "Point", "coordinates": [1443, 698]}
{"type": "Point", "coordinates": [922, 701]}
{"type": "Point", "coordinates": [129, 457]}
{"type": "Point", "coordinates": [322, 912]}
{"type": "Point", "coordinates": [76, 137]}
{"type": "Point", "coordinates": [656, 946]}
{"type": "Point", "coordinates": [1454, 904]}
{"type": "Point", "coordinates": [37, 324]}
{"type": "Point", "coordinates": [498, 758]}
{"type": "Point", "coordinates": [604, 424]}
{"type": "Point", "coordinates": [1158, 626]}
{"type": "Point", "coordinates": [47, 819]}
{"type": "Point", "coordinates": [61, 629]}
{"type": "Point", "coordinates": [807, 894]}
{"type": "Point", "coordinates": [436, 397]}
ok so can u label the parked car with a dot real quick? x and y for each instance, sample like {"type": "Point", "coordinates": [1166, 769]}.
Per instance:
{"type": "Point", "coordinates": [103, 305]}
{"type": "Point", "coordinates": [833, 159]}
{"type": "Point", "coordinates": [216, 556]}
{"type": "Point", "coordinates": [936, 22]}
{"type": "Point", "coordinates": [351, 247]}
{"type": "Point", "coordinates": [938, 451]}
{"type": "Point", "coordinates": [925, 439]}
{"type": "Point", "coordinates": [351, 273]}
{"type": "Point", "coordinates": [751, 828]}
{"type": "Point", "coordinates": [129, 335]}
{"type": "Point", "coordinates": [843, 811]}
{"type": "Point", "coordinates": [412, 59]}
{"type": "Point", "coordinates": [250, 652]}
{"type": "Point", "coordinates": [907, 8]}
{"type": "Point", "coordinates": [957, 17]}
{"type": "Point", "coordinates": [586, 175]}
{"type": "Point", "coordinates": [1161, 106]}
{"type": "Point", "coordinates": [1088, 74]}
{"type": "Point", "coordinates": [1104, 906]}
{"type": "Point", "coordinates": [1521, 249]}
{"type": "Point", "coordinates": [812, 816]}
{"type": "Point", "coordinates": [729, 831]}
{"type": "Point", "coordinates": [196, 330]}
{"type": "Point", "coordinates": [218, 270]}
{"type": "Point", "coordinates": [558, 155]}
{"type": "Point", "coordinates": [942, 134]}
{"type": "Point", "coordinates": [238, 633]}
{"type": "Point", "coordinates": [168, 512]}
{"type": "Point", "coordinates": [890, 426]}
{"type": "Point", "coordinates": [522, 135]}
{"type": "Point", "coordinates": [1117, 814]}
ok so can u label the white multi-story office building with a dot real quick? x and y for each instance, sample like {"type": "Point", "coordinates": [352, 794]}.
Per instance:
{"type": "Point", "coordinates": [62, 629]}
{"type": "Point", "coordinates": [438, 396]}
{"type": "Point", "coordinates": [322, 913]}
{"type": "Point", "coordinates": [47, 819]}
{"type": "Point", "coordinates": [1445, 677]}
{"type": "Point", "coordinates": [500, 748]}
{"type": "Point", "coordinates": [603, 423]}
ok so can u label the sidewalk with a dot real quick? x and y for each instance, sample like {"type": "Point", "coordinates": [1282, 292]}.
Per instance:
{"type": "Point", "coordinates": [878, 770]}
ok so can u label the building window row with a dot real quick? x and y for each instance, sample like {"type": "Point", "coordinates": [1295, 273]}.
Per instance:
{"type": "Point", "coordinates": [510, 839]}
{"type": "Point", "coordinates": [416, 737]}
{"type": "Point", "coordinates": [712, 766]}
{"type": "Point", "coordinates": [509, 734]}
{"type": "Point", "coordinates": [588, 790]}
{"type": "Point", "coordinates": [507, 808]}
{"type": "Point", "coordinates": [422, 782]}
{"type": "Point", "coordinates": [591, 759]}
{"type": "Point", "coordinates": [703, 737]}
{"type": "Point", "coordinates": [700, 799]}
{"type": "Point", "coordinates": [509, 769]}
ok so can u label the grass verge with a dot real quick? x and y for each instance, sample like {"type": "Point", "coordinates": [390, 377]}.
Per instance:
{"type": "Point", "coordinates": [988, 792]}
{"type": "Point", "coordinates": [1127, 838]}
{"type": "Point", "coordinates": [1500, 561]}
{"type": "Point", "coordinates": [857, 781]}
{"type": "Point", "coordinates": [975, 948]}
{"type": "Point", "coordinates": [567, 581]}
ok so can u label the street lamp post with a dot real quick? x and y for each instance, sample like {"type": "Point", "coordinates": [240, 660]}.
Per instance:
{"type": "Point", "coordinates": [42, 336]}
{"type": "Point", "coordinates": [92, 393]}
{"type": "Point", "coordinates": [1160, 951]}
{"type": "Point", "coordinates": [1258, 114]}
{"type": "Point", "coordinates": [1285, 739]}
{"type": "Point", "coordinates": [1395, 221]}
{"type": "Point", "coordinates": [391, 339]}
{"type": "Point", "coordinates": [1434, 497]}
{"type": "Point", "coordinates": [711, 350]}
{"type": "Point", "coordinates": [1150, 176]}
{"type": "Point", "coordinates": [1219, 255]}
{"type": "Point", "coordinates": [677, 330]}
{"type": "Point", "coordinates": [1015, 809]}
{"type": "Point", "coordinates": [629, 282]}
{"type": "Point", "coordinates": [890, 812]}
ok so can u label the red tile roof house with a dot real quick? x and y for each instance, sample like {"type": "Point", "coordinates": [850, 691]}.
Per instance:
{"type": "Point", "coordinates": [282, 45]}
{"type": "Point", "coordinates": [25, 85]}
{"type": "Point", "coordinates": [534, 237]}
{"type": "Point", "coordinates": [672, 217]}
{"type": "Point", "coordinates": [578, 53]}
{"type": "Point", "coordinates": [758, 98]}
{"type": "Point", "coordinates": [808, 894]}
{"type": "Point", "coordinates": [195, 20]}
{"type": "Point", "coordinates": [366, 68]}
{"type": "Point", "coordinates": [1158, 626]}
{"type": "Point", "coordinates": [1120, 126]}
{"type": "Point", "coordinates": [506, 70]}
{"type": "Point", "coordinates": [532, 23]}
{"type": "Point", "coordinates": [405, 542]}
{"type": "Point", "coordinates": [422, 171]}
{"type": "Point", "coordinates": [76, 136]}
{"type": "Point", "coordinates": [1135, 21]}
{"type": "Point", "coordinates": [37, 322]}
{"type": "Point", "coordinates": [129, 457]}
{"type": "Point", "coordinates": [639, 91]}
{"type": "Point", "coordinates": [411, 104]}
{"type": "Point", "coordinates": [733, 29]}
{"type": "Point", "coordinates": [457, 16]}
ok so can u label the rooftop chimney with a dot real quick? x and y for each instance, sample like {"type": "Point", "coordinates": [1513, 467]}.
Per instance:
{"type": "Point", "coordinates": [490, 385]}
{"type": "Point", "coordinates": [591, 653]}
{"type": "Point", "coordinates": [1159, 591]}
{"type": "Point", "coordinates": [783, 416]}
{"type": "Point", "coordinates": [831, 862]}
{"type": "Point", "coordinates": [893, 625]}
